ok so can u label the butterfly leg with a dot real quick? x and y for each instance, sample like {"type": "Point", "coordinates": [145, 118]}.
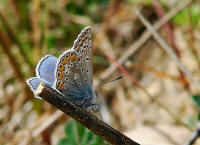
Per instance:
{"type": "Point", "coordinates": [84, 102]}
{"type": "Point", "coordinates": [94, 110]}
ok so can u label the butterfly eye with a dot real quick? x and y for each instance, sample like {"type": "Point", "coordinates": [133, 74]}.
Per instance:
{"type": "Point", "coordinates": [79, 84]}
{"type": "Point", "coordinates": [85, 81]}
{"type": "Point", "coordinates": [66, 73]}
{"type": "Point", "coordinates": [82, 69]}
{"type": "Point", "coordinates": [87, 71]}
{"type": "Point", "coordinates": [71, 64]}
{"type": "Point", "coordinates": [77, 66]}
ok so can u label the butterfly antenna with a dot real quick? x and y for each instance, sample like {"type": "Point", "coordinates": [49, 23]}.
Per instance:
{"type": "Point", "coordinates": [118, 78]}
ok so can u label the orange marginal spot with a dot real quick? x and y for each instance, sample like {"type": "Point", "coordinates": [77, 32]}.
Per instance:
{"type": "Point", "coordinates": [77, 48]}
{"type": "Point", "coordinates": [62, 68]}
{"type": "Point", "coordinates": [80, 42]}
{"type": "Point", "coordinates": [60, 76]}
{"type": "Point", "coordinates": [66, 60]}
{"type": "Point", "coordinates": [83, 38]}
{"type": "Point", "coordinates": [78, 58]}
{"type": "Point", "coordinates": [60, 86]}
{"type": "Point", "coordinates": [73, 57]}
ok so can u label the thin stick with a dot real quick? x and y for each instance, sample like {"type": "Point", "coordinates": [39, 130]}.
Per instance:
{"type": "Point", "coordinates": [49, 121]}
{"type": "Point", "coordinates": [167, 48]}
{"type": "Point", "coordinates": [135, 46]}
{"type": "Point", "coordinates": [170, 35]}
{"type": "Point", "coordinates": [91, 122]}
{"type": "Point", "coordinates": [194, 136]}
{"type": "Point", "coordinates": [13, 36]}
{"type": "Point", "coordinates": [4, 41]}
{"type": "Point", "coordinates": [152, 98]}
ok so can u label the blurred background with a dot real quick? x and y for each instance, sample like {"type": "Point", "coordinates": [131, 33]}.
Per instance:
{"type": "Point", "coordinates": [155, 102]}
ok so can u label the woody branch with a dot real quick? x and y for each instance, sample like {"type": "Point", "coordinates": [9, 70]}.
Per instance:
{"type": "Point", "coordinates": [94, 124]}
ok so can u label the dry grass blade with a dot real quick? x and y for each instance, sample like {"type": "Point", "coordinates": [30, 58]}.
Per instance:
{"type": "Point", "coordinates": [170, 35]}
{"type": "Point", "coordinates": [134, 47]}
{"type": "Point", "coordinates": [47, 123]}
{"type": "Point", "coordinates": [195, 135]}
{"type": "Point", "coordinates": [168, 49]}
{"type": "Point", "coordinates": [152, 98]}
{"type": "Point", "coordinates": [13, 36]}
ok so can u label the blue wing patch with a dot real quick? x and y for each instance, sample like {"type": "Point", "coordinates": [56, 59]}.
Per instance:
{"type": "Point", "coordinates": [35, 82]}
{"type": "Point", "coordinates": [45, 68]}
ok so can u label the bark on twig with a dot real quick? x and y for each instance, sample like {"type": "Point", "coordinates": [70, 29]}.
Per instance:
{"type": "Point", "coordinates": [91, 122]}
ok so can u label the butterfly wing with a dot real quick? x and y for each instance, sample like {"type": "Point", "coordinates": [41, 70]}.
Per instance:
{"type": "Point", "coordinates": [45, 73]}
{"type": "Point", "coordinates": [35, 82]}
{"type": "Point", "coordinates": [46, 67]}
{"type": "Point", "coordinates": [73, 74]}
{"type": "Point", "coordinates": [83, 47]}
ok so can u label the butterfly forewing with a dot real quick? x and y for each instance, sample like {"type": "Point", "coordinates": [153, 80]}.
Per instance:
{"type": "Point", "coordinates": [83, 47]}
{"type": "Point", "coordinates": [74, 69]}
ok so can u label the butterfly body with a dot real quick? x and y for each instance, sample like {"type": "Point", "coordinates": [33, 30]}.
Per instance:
{"type": "Point", "coordinates": [71, 73]}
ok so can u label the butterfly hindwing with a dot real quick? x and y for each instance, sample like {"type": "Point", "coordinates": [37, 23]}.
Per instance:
{"type": "Point", "coordinates": [45, 68]}
{"type": "Point", "coordinates": [35, 82]}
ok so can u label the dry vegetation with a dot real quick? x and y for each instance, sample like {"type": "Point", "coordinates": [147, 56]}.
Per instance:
{"type": "Point", "coordinates": [153, 102]}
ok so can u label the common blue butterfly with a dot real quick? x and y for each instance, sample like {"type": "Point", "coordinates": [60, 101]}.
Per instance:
{"type": "Point", "coordinates": [71, 73]}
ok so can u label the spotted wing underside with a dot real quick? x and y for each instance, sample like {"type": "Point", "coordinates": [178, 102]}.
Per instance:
{"type": "Point", "coordinates": [74, 69]}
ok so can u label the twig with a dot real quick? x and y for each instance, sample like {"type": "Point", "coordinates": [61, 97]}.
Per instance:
{"type": "Point", "coordinates": [160, 74]}
{"type": "Point", "coordinates": [4, 41]}
{"type": "Point", "coordinates": [16, 11]}
{"type": "Point", "coordinates": [134, 47]}
{"type": "Point", "coordinates": [167, 48]}
{"type": "Point", "coordinates": [169, 31]}
{"type": "Point", "coordinates": [12, 34]}
{"type": "Point", "coordinates": [194, 136]}
{"type": "Point", "coordinates": [91, 122]}
{"type": "Point", "coordinates": [168, 28]}
{"type": "Point", "coordinates": [192, 39]}
{"type": "Point", "coordinates": [36, 31]}
{"type": "Point", "coordinates": [152, 98]}
{"type": "Point", "coordinates": [50, 120]}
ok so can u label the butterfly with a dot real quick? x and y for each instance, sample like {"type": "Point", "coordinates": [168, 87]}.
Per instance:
{"type": "Point", "coordinates": [71, 73]}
